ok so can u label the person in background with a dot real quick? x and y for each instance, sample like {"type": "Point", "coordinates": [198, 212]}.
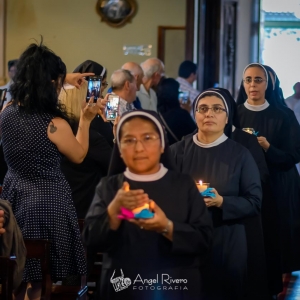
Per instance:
{"type": "Point", "coordinates": [99, 123]}
{"type": "Point", "coordinates": [177, 121]}
{"type": "Point", "coordinates": [153, 71]}
{"type": "Point", "coordinates": [12, 68]}
{"type": "Point", "coordinates": [293, 101]}
{"type": "Point", "coordinates": [175, 241]}
{"type": "Point", "coordinates": [36, 133]}
{"type": "Point", "coordinates": [124, 85]}
{"type": "Point", "coordinates": [84, 177]}
{"type": "Point", "coordinates": [138, 73]}
{"type": "Point", "coordinates": [187, 73]}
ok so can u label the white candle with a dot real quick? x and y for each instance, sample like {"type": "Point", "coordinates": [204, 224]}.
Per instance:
{"type": "Point", "coordinates": [249, 130]}
{"type": "Point", "coordinates": [202, 186]}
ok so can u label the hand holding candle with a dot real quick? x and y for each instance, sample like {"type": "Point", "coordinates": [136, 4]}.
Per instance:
{"type": "Point", "coordinates": [217, 201]}
{"type": "Point", "coordinates": [140, 211]}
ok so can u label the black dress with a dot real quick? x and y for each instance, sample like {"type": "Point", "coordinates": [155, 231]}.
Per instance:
{"type": "Point", "coordinates": [83, 178]}
{"type": "Point", "coordinates": [179, 121]}
{"type": "Point", "coordinates": [104, 128]}
{"type": "Point", "coordinates": [232, 171]}
{"type": "Point", "coordinates": [262, 243]}
{"type": "Point", "coordinates": [275, 125]}
{"type": "Point", "coordinates": [140, 254]}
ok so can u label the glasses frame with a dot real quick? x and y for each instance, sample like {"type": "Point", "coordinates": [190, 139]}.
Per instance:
{"type": "Point", "coordinates": [136, 141]}
{"type": "Point", "coordinates": [255, 80]}
{"type": "Point", "coordinates": [208, 108]}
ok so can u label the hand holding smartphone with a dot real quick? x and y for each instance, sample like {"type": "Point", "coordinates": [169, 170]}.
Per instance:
{"type": "Point", "coordinates": [183, 97]}
{"type": "Point", "coordinates": [112, 107]}
{"type": "Point", "coordinates": [94, 88]}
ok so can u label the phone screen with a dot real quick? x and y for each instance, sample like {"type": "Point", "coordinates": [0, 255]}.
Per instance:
{"type": "Point", "coordinates": [183, 96]}
{"type": "Point", "coordinates": [112, 107]}
{"type": "Point", "coordinates": [94, 88]}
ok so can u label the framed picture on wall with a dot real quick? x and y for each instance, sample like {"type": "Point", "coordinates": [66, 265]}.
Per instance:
{"type": "Point", "coordinates": [116, 13]}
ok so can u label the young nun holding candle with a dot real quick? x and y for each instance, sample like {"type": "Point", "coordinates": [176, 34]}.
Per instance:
{"type": "Point", "coordinates": [175, 242]}
{"type": "Point", "coordinates": [281, 131]}
{"type": "Point", "coordinates": [231, 170]}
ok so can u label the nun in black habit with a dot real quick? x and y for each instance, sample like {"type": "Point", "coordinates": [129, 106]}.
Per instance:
{"type": "Point", "coordinates": [257, 283]}
{"type": "Point", "coordinates": [284, 178]}
{"type": "Point", "coordinates": [210, 156]}
{"type": "Point", "coordinates": [158, 258]}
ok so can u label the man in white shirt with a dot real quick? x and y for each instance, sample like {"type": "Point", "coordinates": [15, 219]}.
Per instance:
{"type": "Point", "coordinates": [187, 75]}
{"type": "Point", "coordinates": [123, 84]}
{"type": "Point", "coordinates": [153, 71]}
{"type": "Point", "coordinates": [12, 68]}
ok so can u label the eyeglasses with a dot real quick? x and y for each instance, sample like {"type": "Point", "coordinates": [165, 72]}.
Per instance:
{"type": "Point", "coordinates": [257, 80]}
{"type": "Point", "coordinates": [147, 141]}
{"type": "Point", "coordinates": [215, 109]}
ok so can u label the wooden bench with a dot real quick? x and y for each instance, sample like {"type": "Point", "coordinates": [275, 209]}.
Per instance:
{"type": "Point", "coordinates": [7, 267]}
{"type": "Point", "coordinates": [40, 249]}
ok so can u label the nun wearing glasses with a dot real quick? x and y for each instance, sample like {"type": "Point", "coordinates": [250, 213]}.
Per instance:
{"type": "Point", "coordinates": [229, 168]}
{"type": "Point", "coordinates": [173, 244]}
{"type": "Point", "coordinates": [260, 109]}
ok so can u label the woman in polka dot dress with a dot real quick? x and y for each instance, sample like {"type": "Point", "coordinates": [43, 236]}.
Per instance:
{"type": "Point", "coordinates": [35, 134]}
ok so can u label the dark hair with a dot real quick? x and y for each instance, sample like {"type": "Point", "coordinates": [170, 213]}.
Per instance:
{"type": "Point", "coordinates": [167, 94]}
{"type": "Point", "coordinates": [186, 69]}
{"type": "Point", "coordinates": [90, 66]}
{"type": "Point", "coordinates": [11, 63]}
{"type": "Point", "coordinates": [139, 117]}
{"type": "Point", "coordinates": [40, 74]}
{"type": "Point", "coordinates": [294, 86]}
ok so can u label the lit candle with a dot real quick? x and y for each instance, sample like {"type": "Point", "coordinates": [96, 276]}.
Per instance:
{"type": "Point", "coordinates": [249, 130]}
{"type": "Point", "coordinates": [202, 186]}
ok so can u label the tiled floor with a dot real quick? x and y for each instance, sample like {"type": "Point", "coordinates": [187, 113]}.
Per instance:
{"type": "Point", "coordinates": [293, 289]}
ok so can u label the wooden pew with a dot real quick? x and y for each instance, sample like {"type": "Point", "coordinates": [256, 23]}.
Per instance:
{"type": "Point", "coordinates": [7, 267]}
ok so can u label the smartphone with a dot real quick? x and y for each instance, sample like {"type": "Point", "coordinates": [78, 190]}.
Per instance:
{"type": "Point", "coordinates": [112, 107]}
{"type": "Point", "coordinates": [183, 96]}
{"type": "Point", "coordinates": [2, 97]}
{"type": "Point", "coordinates": [94, 88]}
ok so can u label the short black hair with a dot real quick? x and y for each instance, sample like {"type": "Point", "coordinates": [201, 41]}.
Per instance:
{"type": "Point", "coordinates": [12, 63]}
{"type": "Point", "coordinates": [186, 69]}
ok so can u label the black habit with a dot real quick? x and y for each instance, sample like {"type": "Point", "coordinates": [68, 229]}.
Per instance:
{"type": "Point", "coordinates": [232, 171]}
{"type": "Point", "coordinates": [141, 254]}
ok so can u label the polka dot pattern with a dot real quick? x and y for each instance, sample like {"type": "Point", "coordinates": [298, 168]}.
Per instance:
{"type": "Point", "coordinates": [39, 193]}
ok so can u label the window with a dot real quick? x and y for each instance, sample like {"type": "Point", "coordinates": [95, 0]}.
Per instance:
{"type": "Point", "coordinates": [280, 40]}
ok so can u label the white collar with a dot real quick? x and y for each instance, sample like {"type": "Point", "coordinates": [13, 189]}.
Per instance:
{"type": "Point", "coordinates": [256, 107]}
{"type": "Point", "coordinates": [151, 177]}
{"type": "Point", "coordinates": [233, 128]}
{"type": "Point", "coordinates": [217, 142]}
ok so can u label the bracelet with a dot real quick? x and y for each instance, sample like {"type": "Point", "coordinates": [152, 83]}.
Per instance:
{"type": "Point", "coordinates": [166, 230]}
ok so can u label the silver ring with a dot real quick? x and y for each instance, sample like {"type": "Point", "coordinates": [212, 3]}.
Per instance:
{"type": "Point", "coordinates": [91, 104]}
